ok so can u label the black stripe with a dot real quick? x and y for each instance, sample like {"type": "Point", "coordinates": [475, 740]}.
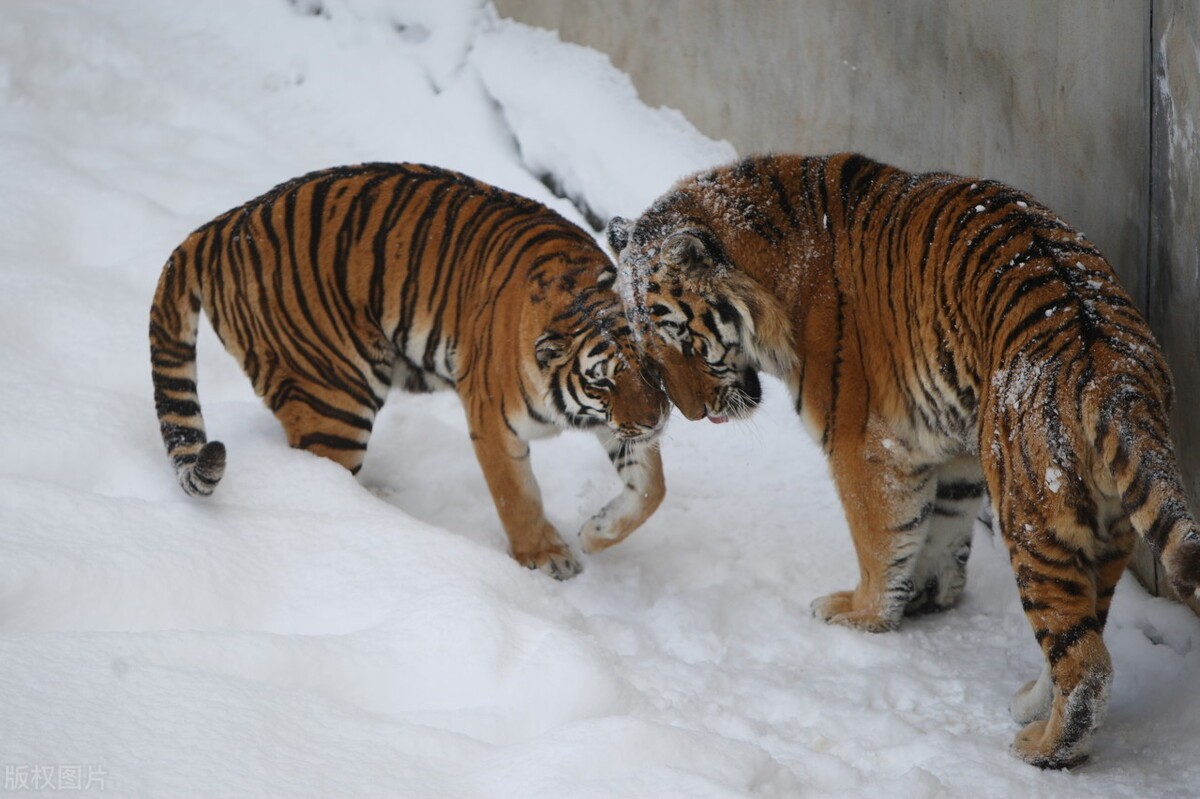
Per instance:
{"type": "Point", "coordinates": [178, 435]}
{"type": "Point", "coordinates": [180, 385]}
{"type": "Point", "coordinates": [1062, 642]}
{"type": "Point", "coordinates": [331, 441]}
{"type": "Point", "coordinates": [176, 407]}
{"type": "Point", "coordinates": [916, 521]}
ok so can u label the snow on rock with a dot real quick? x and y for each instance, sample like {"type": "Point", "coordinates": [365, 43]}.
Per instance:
{"type": "Point", "coordinates": [306, 633]}
{"type": "Point", "coordinates": [578, 122]}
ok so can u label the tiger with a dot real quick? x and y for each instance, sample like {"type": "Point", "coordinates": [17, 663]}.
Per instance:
{"type": "Point", "coordinates": [949, 342]}
{"type": "Point", "coordinates": [334, 286]}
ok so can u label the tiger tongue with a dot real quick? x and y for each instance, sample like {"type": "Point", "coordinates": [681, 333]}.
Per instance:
{"type": "Point", "coordinates": [718, 419]}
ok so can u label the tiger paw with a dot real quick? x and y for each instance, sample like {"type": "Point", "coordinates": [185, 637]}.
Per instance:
{"type": "Point", "coordinates": [1064, 738]}
{"type": "Point", "coordinates": [838, 608]}
{"type": "Point", "coordinates": [1036, 747]}
{"type": "Point", "coordinates": [556, 562]}
{"type": "Point", "coordinates": [595, 536]}
{"type": "Point", "coordinates": [599, 533]}
{"type": "Point", "coordinates": [933, 597]}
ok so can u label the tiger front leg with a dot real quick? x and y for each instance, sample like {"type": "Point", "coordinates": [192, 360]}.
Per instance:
{"type": "Point", "coordinates": [941, 571]}
{"type": "Point", "coordinates": [639, 465]}
{"type": "Point", "coordinates": [889, 501]}
{"type": "Point", "coordinates": [534, 542]}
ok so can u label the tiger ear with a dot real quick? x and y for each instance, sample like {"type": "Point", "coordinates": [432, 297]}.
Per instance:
{"type": "Point", "coordinates": [686, 249]}
{"type": "Point", "coordinates": [550, 348]}
{"type": "Point", "coordinates": [769, 326]}
{"type": "Point", "coordinates": [618, 233]}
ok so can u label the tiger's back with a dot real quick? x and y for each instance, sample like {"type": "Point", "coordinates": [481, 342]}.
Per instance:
{"type": "Point", "coordinates": [948, 335]}
{"type": "Point", "coordinates": [332, 287]}
{"type": "Point", "coordinates": [957, 286]}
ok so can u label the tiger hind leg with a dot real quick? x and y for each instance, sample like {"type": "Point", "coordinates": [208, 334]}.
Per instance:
{"type": "Point", "coordinates": [327, 422]}
{"type": "Point", "coordinates": [941, 571]}
{"type": "Point", "coordinates": [1065, 593]}
{"type": "Point", "coordinates": [1034, 699]}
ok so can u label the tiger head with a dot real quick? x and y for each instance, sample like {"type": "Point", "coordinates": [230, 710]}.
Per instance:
{"type": "Point", "coordinates": [595, 372]}
{"type": "Point", "coordinates": [707, 326]}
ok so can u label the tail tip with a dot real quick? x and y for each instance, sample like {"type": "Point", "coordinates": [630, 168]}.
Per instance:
{"type": "Point", "coordinates": [200, 477]}
{"type": "Point", "coordinates": [1184, 566]}
{"type": "Point", "coordinates": [211, 459]}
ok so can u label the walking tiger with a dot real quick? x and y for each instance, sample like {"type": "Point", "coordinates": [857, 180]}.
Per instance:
{"type": "Point", "coordinates": [334, 286]}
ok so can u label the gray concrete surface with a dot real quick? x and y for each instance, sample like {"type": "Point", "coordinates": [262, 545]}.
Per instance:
{"type": "Point", "coordinates": [1047, 95]}
{"type": "Point", "coordinates": [1174, 284]}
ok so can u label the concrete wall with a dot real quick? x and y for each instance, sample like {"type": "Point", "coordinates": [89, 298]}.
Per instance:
{"type": "Point", "coordinates": [1048, 95]}
{"type": "Point", "coordinates": [1091, 105]}
{"type": "Point", "coordinates": [1174, 285]}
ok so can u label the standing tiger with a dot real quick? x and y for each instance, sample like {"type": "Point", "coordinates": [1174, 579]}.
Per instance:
{"type": "Point", "coordinates": [331, 287]}
{"type": "Point", "coordinates": [944, 339]}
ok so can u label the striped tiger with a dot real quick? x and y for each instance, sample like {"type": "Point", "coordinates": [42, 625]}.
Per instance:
{"type": "Point", "coordinates": [334, 286]}
{"type": "Point", "coordinates": [944, 339]}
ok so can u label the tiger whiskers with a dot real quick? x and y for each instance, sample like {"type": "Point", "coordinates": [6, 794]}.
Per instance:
{"type": "Point", "coordinates": [738, 403]}
{"type": "Point", "coordinates": [740, 408]}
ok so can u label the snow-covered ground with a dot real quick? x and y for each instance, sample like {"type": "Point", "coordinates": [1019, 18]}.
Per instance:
{"type": "Point", "coordinates": [303, 632]}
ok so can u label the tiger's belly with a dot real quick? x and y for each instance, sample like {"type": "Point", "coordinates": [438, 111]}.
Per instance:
{"type": "Point", "coordinates": [410, 377]}
{"type": "Point", "coordinates": [933, 432]}
{"type": "Point", "coordinates": [530, 429]}
{"type": "Point", "coordinates": [945, 438]}
{"type": "Point", "coordinates": [424, 363]}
